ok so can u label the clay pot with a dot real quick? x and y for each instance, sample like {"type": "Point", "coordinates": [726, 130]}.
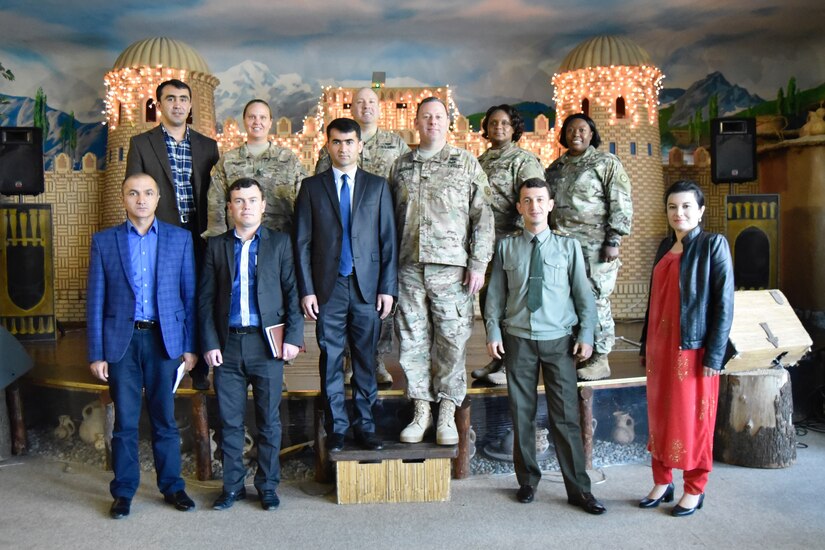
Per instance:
{"type": "Point", "coordinates": [624, 429]}
{"type": "Point", "coordinates": [94, 420]}
{"type": "Point", "coordinates": [65, 427]}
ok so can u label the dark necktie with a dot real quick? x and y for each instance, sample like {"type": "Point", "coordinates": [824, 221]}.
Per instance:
{"type": "Point", "coordinates": [345, 265]}
{"type": "Point", "coordinates": [536, 277]}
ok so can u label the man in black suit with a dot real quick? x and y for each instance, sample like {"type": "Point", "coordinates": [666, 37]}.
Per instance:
{"type": "Point", "coordinates": [180, 160]}
{"type": "Point", "coordinates": [248, 284]}
{"type": "Point", "coordinates": [346, 263]}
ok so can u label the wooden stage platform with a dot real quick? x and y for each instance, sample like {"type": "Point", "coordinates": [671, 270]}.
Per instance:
{"type": "Point", "coordinates": [62, 364]}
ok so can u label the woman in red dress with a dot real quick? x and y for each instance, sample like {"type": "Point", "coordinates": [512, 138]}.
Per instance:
{"type": "Point", "coordinates": [684, 345]}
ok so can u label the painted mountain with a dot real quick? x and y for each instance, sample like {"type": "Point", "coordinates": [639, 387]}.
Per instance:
{"type": "Point", "coordinates": [287, 94]}
{"type": "Point", "coordinates": [731, 99]}
{"type": "Point", "coordinates": [91, 136]}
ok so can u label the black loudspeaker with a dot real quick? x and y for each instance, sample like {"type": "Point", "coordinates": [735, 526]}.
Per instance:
{"type": "Point", "coordinates": [21, 161]}
{"type": "Point", "coordinates": [732, 150]}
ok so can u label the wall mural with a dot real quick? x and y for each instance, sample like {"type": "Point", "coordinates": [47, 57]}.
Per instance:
{"type": "Point", "coordinates": [738, 57]}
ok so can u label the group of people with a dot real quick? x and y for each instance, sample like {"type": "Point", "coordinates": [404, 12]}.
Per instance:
{"type": "Point", "coordinates": [384, 235]}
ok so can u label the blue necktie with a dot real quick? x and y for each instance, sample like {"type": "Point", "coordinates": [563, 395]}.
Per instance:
{"type": "Point", "coordinates": [345, 265]}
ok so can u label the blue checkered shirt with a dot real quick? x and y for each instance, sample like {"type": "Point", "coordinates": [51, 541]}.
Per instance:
{"type": "Point", "coordinates": [180, 159]}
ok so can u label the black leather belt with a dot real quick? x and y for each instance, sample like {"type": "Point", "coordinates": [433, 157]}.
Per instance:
{"type": "Point", "coordinates": [244, 330]}
{"type": "Point", "coordinates": [184, 218]}
{"type": "Point", "coordinates": [146, 325]}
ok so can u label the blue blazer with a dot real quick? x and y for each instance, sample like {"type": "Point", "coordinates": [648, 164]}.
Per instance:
{"type": "Point", "coordinates": [110, 301]}
{"type": "Point", "coordinates": [319, 233]}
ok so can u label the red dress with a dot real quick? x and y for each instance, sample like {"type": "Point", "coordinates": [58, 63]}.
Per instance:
{"type": "Point", "coordinates": [681, 401]}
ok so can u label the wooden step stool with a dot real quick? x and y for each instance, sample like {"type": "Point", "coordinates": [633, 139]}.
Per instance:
{"type": "Point", "coordinates": [398, 473]}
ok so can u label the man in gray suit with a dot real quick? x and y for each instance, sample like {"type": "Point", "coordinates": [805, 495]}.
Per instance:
{"type": "Point", "coordinates": [247, 285]}
{"type": "Point", "coordinates": [346, 263]}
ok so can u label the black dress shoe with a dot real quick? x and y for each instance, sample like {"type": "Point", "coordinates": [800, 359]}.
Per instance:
{"type": "Point", "coordinates": [369, 441]}
{"type": "Point", "coordinates": [335, 442]}
{"type": "Point", "coordinates": [180, 500]}
{"type": "Point", "coordinates": [679, 511]}
{"type": "Point", "coordinates": [269, 499]}
{"type": "Point", "coordinates": [588, 503]}
{"type": "Point", "coordinates": [228, 498]}
{"type": "Point", "coordinates": [200, 381]}
{"type": "Point", "coordinates": [667, 496]}
{"type": "Point", "coordinates": [120, 507]}
{"type": "Point", "coordinates": [525, 494]}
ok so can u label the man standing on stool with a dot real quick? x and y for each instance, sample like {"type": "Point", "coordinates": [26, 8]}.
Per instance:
{"type": "Point", "coordinates": [140, 314]}
{"type": "Point", "coordinates": [179, 159]}
{"type": "Point", "coordinates": [347, 276]}
{"type": "Point", "coordinates": [380, 149]}
{"type": "Point", "coordinates": [537, 302]}
{"type": "Point", "coordinates": [248, 284]}
{"type": "Point", "coordinates": [446, 229]}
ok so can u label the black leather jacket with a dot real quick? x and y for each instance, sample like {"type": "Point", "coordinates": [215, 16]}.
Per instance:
{"type": "Point", "coordinates": [706, 289]}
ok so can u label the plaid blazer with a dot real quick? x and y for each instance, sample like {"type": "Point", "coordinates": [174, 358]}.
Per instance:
{"type": "Point", "coordinates": [110, 301]}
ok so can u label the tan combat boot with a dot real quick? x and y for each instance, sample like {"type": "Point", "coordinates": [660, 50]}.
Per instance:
{"type": "Point", "coordinates": [422, 421]}
{"type": "Point", "coordinates": [382, 376]}
{"type": "Point", "coordinates": [347, 370]}
{"type": "Point", "coordinates": [446, 434]}
{"type": "Point", "coordinates": [594, 368]}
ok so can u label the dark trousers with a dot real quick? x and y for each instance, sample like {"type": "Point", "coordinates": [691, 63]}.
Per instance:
{"type": "Point", "coordinates": [145, 365]}
{"type": "Point", "coordinates": [201, 369]}
{"type": "Point", "coordinates": [523, 360]}
{"type": "Point", "coordinates": [347, 318]}
{"type": "Point", "coordinates": [247, 359]}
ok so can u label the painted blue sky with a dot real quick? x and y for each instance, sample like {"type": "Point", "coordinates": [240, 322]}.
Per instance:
{"type": "Point", "coordinates": [487, 50]}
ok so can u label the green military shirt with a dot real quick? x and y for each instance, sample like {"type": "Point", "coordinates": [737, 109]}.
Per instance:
{"type": "Point", "coordinates": [442, 209]}
{"type": "Point", "coordinates": [380, 151]}
{"type": "Point", "coordinates": [593, 200]}
{"type": "Point", "coordinates": [507, 169]}
{"type": "Point", "coordinates": [567, 298]}
{"type": "Point", "coordinates": [279, 172]}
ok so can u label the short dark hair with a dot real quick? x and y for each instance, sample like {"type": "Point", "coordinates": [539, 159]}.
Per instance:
{"type": "Point", "coordinates": [175, 83]}
{"type": "Point", "coordinates": [137, 175]}
{"type": "Point", "coordinates": [345, 126]}
{"type": "Point", "coordinates": [515, 119]}
{"type": "Point", "coordinates": [252, 102]}
{"type": "Point", "coordinates": [537, 183]}
{"type": "Point", "coordinates": [431, 99]}
{"type": "Point", "coordinates": [243, 183]}
{"type": "Point", "coordinates": [684, 186]}
{"type": "Point", "coordinates": [595, 141]}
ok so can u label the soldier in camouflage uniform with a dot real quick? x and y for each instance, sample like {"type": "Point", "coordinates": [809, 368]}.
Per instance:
{"type": "Point", "coordinates": [277, 169]}
{"type": "Point", "coordinates": [593, 205]}
{"type": "Point", "coordinates": [447, 233]}
{"type": "Point", "coordinates": [381, 148]}
{"type": "Point", "coordinates": [507, 167]}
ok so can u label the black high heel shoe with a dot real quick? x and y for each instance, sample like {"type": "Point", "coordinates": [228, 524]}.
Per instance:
{"type": "Point", "coordinates": [679, 511]}
{"type": "Point", "coordinates": [654, 502]}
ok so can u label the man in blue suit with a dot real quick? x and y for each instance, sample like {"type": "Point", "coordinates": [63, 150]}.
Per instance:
{"type": "Point", "coordinates": [346, 263]}
{"type": "Point", "coordinates": [140, 316]}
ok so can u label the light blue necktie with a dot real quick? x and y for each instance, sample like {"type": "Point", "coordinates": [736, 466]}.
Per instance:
{"type": "Point", "coordinates": [345, 265]}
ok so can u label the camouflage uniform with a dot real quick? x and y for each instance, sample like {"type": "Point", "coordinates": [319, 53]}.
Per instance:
{"type": "Point", "coordinates": [593, 205]}
{"type": "Point", "coordinates": [507, 169]}
{"type": "Point", "coordinates": [379, 152]}
{"type": "Point", "coordinates": [446, 227]}
{"type": "Point", "coordinates": [278, 171]}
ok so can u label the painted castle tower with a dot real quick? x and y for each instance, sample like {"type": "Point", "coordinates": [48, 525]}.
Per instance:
{"type": "Point", "coordinates": [612, 80]}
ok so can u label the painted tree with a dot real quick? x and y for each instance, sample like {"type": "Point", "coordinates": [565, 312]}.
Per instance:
{"type": "Point", "coordinates": [68, 135]}
{"type": "Point", "coordinates": [698, 125]}
{"type": "Point", "coordinates": [780, 101]}
{"type": "Point", "coordinates": [792, 98]}
{"type": "Point", "coordinates": [713, 107]}
{"type": "Point", "coordinates": [40, 119]}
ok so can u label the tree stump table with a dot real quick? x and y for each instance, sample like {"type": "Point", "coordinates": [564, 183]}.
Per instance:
{"type": "Point", "coordinates": [754, 426]}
